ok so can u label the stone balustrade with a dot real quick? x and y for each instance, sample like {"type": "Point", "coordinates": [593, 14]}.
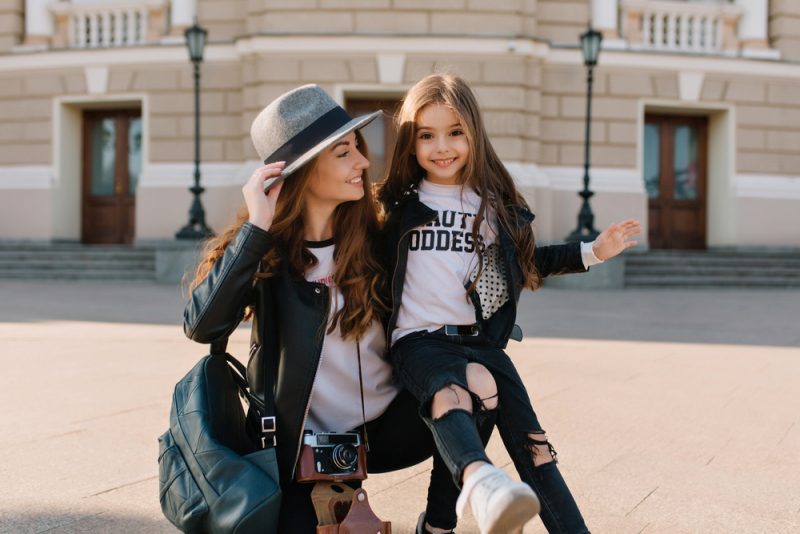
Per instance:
{"type": "Point", "coordinates": [104, 25]}
{"type": "Point", "coordinates": [708, 27]}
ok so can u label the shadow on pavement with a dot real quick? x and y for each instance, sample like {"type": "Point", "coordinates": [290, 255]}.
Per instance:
{"type": "Point", "coordinates": [734, 317]}
{"type": "Point", "coordinates": [740, 317]}
{"type": "Point", "coordinates": [63, 522]}
{"type": "Point", "coordinates": [112, 302]}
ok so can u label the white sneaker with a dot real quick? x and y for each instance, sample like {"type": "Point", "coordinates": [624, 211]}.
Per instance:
{"type": "Point", "coordinates": [500, 505]}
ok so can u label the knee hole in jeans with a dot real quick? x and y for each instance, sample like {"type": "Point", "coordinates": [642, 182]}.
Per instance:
{"type": "Point", "coordinates": [482, 387]}
{"type": "Point", "coordinates": [450, 397]}
{"type": "Point", "coordinates": [542, 451]}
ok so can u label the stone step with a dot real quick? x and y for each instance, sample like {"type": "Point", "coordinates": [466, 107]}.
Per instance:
{"type": "Point", "coordinates": [99, 264]}
{"type": "Point", "coordinates": [81, 274]}
{"type": "Point", "coordinates": [714, 270]}
{"type": "Point", "coordinates": [717, 262]}
{"type": "Point", "coordinates": [86, 252]}
{"type": "Point", "coordinates": [710, 281]}
{"type": "Point", "coordinates": [73, 261]}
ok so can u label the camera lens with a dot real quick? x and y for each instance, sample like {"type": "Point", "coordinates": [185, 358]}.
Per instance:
{"type": "Point", "coordinates": [344, 456]}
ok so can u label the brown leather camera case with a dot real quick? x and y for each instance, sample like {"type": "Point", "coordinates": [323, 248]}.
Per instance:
{"type": "Point", "coordinates": [359, 520]}
{"type": "Point", "coordinates": [307, 472]}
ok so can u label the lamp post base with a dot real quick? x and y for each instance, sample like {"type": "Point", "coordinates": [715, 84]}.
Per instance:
{"type": "Point", "coordinates": [585, 231]}
{"type": "Point", "coordinates": [194, 231]}
{"type": "Point", "coordinates": [582, 234]}
{"type": "Point", "coordinates": [196, 227]}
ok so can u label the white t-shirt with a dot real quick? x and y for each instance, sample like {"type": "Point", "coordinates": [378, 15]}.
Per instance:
{"type": "Point", "coordinates": [441, 255]}
{"type": "Point", "coordinates": [336, 397]}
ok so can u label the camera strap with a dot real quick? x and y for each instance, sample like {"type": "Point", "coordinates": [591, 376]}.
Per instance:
{"type": "Point", "coordinates": [361, 386]}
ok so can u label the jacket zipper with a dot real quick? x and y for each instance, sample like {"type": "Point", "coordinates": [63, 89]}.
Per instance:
{"type": "Point", "coordinates": [311, 393]}
{"type": "Point", "coordinates": [396, 310]}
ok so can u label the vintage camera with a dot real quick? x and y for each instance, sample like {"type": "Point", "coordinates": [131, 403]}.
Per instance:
{"type": "Point", "coordinates": [331, 456]}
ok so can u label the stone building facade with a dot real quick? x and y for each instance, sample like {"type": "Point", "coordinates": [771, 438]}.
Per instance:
{"type": "Point", "coordinates": [695, 103]}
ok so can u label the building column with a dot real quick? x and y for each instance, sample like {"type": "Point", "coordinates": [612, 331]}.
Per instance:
{"type": "Point", "coordinates": [754, 28]}
{"type": "Point", "coordinates": [182, 15]}
{"type": "Point", "coordinates": [38, 23]}
{"type": "Point", "coordinates": [604, 18]}
{"type": "Point", "coordinates": [753, 24]}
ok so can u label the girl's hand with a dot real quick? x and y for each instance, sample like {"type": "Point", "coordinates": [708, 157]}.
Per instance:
{"type": "Point", "coordinates": [260, 205]}
{"type": "Point", "coordinates": [614, 239]}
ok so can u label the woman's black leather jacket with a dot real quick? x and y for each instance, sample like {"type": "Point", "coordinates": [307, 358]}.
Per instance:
{"type": "Point", "coordinates": [287, 334]}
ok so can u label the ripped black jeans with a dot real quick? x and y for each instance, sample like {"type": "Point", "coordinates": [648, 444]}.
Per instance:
{"type": "Point", "coordinates": [426, 362]}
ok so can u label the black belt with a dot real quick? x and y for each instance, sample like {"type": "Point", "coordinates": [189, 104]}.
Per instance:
{"type": "Point", "coordinates": [459, 330]}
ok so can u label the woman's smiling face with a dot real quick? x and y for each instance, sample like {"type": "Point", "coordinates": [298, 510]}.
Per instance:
{"type": "Point", "coordinates": [338, 172]}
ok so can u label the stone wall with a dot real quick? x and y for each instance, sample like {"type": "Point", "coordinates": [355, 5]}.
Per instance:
{"type": "Point", "coordinates": [443, 17]}
{"type": "Point", "coordinates": [784, 27]}
{"type": "Point", "coordinates": [562, 21]}
{"type": "Point", "coordinates": [12, 23]}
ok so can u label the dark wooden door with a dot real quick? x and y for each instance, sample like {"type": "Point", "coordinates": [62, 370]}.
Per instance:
{"type": "Point", "coordinates": [675, 163]}
{"type": "Point", "coordinates": [112, 156]}
{"type": "Point", "coordinates": [380, 133]}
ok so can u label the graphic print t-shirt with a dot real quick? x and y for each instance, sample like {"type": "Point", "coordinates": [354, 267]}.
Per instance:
{"type": "Point", "coordinates": [441, 255]}
{"type": "Point", "coordinates": [336, 397]}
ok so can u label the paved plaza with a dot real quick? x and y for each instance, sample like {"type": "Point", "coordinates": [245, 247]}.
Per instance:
{"type": "Point", "coordinates": [673, 411]}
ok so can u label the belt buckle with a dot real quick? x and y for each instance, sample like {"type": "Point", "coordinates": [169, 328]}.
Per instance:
{"type": "Point", "coordinates": [268, 428]}
{"type": "Point", "coordinates": [468, 330]}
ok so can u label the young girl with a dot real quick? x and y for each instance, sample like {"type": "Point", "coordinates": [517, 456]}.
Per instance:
{"type": "Point", "coordinates": [300, 259]}
{"type": "Point", "coordinates": [461, 249]}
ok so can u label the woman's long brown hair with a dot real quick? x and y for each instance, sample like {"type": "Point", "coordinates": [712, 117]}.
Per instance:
{"type": "Point", "coordinates": [484, 171]}
{"type": "Point", "coordinates": [357, 275]}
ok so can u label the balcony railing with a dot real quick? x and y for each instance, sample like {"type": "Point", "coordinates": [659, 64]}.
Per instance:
{"type": "Point", "coordinates": [680, 26]}
{"type": "Point", "coordinates": [108, 25]}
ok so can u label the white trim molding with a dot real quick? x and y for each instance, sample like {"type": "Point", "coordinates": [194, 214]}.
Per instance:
{"type": "Point", "coordinates": [664, 61]}
{"type": "Point", "coordinates": [690, 84]}
{"type": "Point", "coordinates": [175, 52]}
{"type": "Point", "coordinates": [26, 177]}
{"type": "Point", "coordinates": [96, 79]}
{"type": "Point", "coordinates": [768, 186]}
{"type": "Point", "coordinates": [602, 179]}
{"type": "Point", "coordinates": [391, 67]}
{"type": "Point", "coordinates": [352, 44]}
{"type": "Point", "coordinates": [527, 174]}
{"type": "Point", "coordinates": [158, 175]}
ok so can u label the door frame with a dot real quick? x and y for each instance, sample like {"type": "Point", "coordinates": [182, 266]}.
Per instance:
{"type": "Point", "coordinates": [721, 209]}
{"type": "Point", "coordinates": [121, 148]}
{"type": "Point", "coordinates": [67, 146]}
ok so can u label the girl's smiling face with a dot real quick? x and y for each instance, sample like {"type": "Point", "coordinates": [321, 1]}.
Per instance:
{"type": "Point", "coordinates": [441, 145]}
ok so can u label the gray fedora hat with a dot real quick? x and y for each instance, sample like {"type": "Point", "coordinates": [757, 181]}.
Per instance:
{"type": "Point", "coordinates": [298, 125]}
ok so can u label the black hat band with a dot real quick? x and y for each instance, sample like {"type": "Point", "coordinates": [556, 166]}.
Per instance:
{"type": "Point", "coordinates": [311, 136]}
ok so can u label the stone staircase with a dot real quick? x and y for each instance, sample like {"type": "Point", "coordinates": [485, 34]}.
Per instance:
{"type": "Point", "coordinates": [73, 261]}
{"type": "Point", "coordinates": [711, 268]}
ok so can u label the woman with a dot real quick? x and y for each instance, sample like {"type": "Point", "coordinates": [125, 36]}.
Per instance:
{"type": "Point", "coordinates": [300, 260]}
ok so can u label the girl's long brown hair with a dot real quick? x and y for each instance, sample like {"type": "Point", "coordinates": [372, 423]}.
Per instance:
{"type": "Point", "coordinates": [357, 275]}
{"type": "Point", "coordinates": [484, 171]}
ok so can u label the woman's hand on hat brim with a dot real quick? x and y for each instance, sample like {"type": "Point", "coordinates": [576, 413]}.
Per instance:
{"type": "Point", "coordinates": [261, 206]}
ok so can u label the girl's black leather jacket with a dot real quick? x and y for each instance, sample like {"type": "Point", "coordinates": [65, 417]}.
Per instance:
{"type": "Point", "coordinates": [409, 213]}
{"type": "Point", "coordinates": [286, 337]}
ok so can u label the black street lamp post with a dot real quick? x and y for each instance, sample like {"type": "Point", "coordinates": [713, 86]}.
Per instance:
{"type": "Point", "coordinates": [196, 228]}
{"type": "Point", "coordinates": [590, 46]}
